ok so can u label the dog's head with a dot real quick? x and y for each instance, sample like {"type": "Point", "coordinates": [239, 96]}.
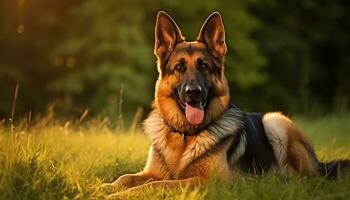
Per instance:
{"type": "Point", "coordinates": [191, 90]}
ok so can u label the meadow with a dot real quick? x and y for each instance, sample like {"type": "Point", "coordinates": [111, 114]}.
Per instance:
{"type": "Point", "coordinates": [49, 159]}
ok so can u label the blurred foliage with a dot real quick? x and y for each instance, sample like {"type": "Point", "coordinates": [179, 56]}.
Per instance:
{"type": "Point", "coordinates": [282, 55]}
{"type": "Point", "coordinates": [306, 44]}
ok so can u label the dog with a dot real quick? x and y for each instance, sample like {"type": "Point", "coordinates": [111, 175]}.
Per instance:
{"type": "Point", "coordinates": [194, 129]}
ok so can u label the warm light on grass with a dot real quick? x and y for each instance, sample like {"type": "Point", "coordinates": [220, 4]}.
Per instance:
{"type": "Point", "coordinates": [60, 161]}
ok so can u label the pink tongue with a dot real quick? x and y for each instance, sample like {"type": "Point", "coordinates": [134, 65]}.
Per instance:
{"type": "Point", "coordinates": [194, 114]}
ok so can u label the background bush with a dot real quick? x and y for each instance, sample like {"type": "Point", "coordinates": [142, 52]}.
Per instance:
{"type": "Point", "coordinates": [283, 55]}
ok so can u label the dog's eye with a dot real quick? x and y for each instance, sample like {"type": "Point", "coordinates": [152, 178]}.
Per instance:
{"type": "Point", "coordinates": [203, 67]}
{"type": "Point", "coordinates": [180, 67]}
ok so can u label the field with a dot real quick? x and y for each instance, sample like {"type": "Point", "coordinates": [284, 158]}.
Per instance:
{"type": "Point", "coordinates": [53, 160]}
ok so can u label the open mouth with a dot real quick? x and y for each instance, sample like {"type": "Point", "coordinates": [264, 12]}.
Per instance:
{"type": "Point", "coordinates": [194, 111]}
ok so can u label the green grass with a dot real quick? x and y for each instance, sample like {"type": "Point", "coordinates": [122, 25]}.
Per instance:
{"type": "Point", "coordinates": [53, 161]}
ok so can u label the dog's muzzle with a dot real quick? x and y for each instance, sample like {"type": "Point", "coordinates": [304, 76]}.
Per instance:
{"type": "Point", "coordinates": [193, 99]}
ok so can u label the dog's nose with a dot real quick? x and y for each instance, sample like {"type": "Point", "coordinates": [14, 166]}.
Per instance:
{"type": "Point", "coordinates": [193, 91]}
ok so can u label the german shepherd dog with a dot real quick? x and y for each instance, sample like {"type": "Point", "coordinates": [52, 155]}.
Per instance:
{"type": "Point", "coordinates": [194, 129]}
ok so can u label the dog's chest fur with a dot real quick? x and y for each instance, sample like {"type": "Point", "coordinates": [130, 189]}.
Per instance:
{"type": "Point", "coordinates": [180, 154]}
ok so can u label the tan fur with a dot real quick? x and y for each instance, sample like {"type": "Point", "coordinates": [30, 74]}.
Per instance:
{"type": "Point", "coordinates": [293, 151]}
{"type": "Point", "coordinates": [177, 153]}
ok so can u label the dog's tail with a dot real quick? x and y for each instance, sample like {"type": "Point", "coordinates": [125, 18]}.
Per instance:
{"type": "Point", "coordinates": [334, 169]}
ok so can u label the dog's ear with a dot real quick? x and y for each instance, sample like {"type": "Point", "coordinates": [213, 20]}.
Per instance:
{"type": "Point", "coordinates": [167, 35]}
{"type": "Point", "coordinates": [212, 34]}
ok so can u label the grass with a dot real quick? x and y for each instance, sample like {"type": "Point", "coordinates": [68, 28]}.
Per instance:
{"type": "Point", "coordinates": [53, 160]}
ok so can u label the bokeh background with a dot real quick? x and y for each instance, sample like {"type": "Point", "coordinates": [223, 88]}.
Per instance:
{"type": "Point", "coordinates": [93, 55]}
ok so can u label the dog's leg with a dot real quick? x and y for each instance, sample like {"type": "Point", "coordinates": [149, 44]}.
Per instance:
{"type": "Point", "coordinates": [128, 181]}
{"type": "Point", "coordinates": [294, 154]}
{"type": "Point", "coordinates": [168, 184]}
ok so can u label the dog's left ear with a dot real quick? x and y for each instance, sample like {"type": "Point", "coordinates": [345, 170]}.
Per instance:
{"type": "Point", "coordinates": [212, 34]}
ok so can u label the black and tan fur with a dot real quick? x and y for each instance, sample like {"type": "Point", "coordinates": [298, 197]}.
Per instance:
{"type": "Point", "coordinates": [228, 138]}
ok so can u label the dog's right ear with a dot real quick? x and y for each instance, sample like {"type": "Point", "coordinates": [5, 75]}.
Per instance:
{"type": "Point", "coordinates": [167, 35]}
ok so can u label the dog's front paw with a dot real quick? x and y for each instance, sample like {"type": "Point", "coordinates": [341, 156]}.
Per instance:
{"type": "Point", "coordinates": [122, 183]}
{"type": "Point", "coordinates": [125, 181]}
